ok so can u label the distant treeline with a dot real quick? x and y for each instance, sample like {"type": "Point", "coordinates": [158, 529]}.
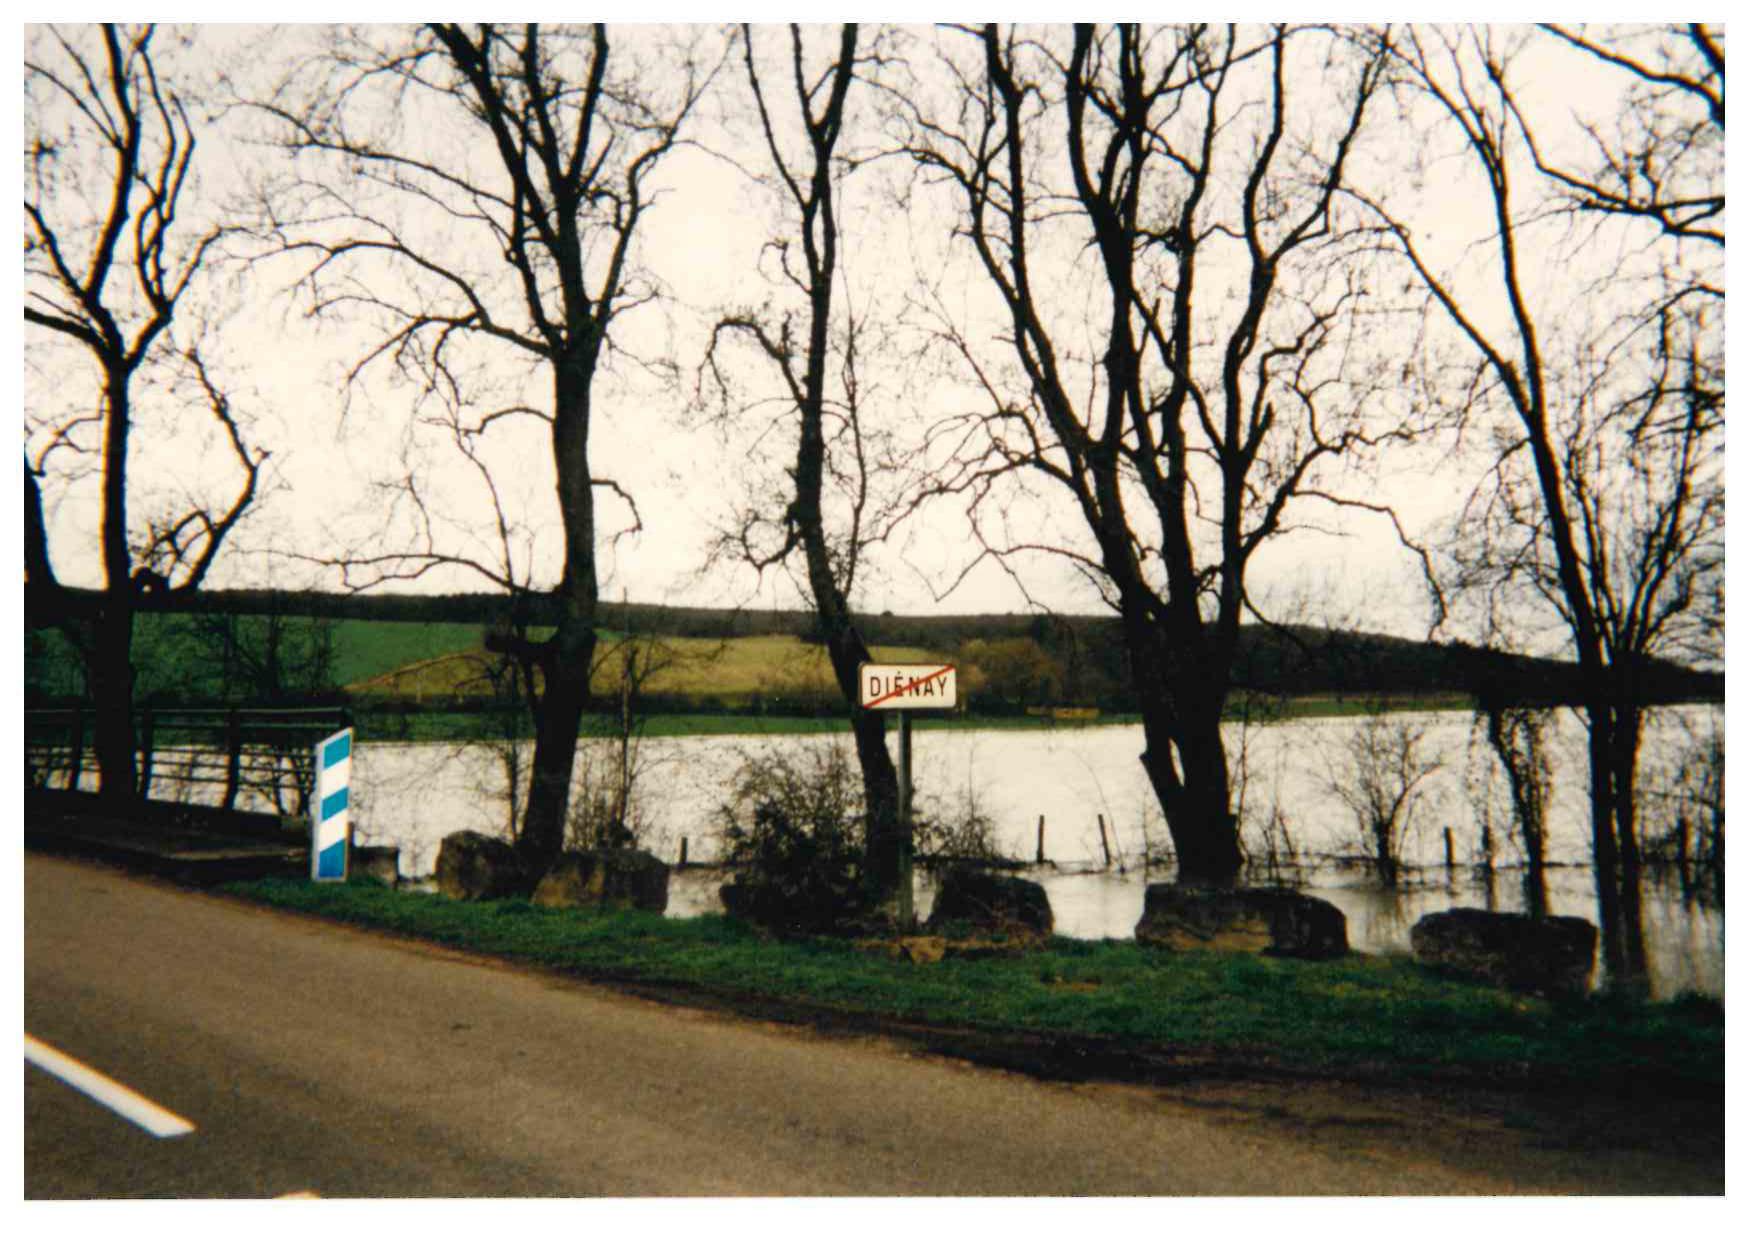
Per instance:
{"type": "Point", "coordinates": [1081, 658]}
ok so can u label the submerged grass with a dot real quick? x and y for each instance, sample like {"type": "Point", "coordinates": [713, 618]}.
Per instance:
{"type": "Point", "coordinates": [1362, 1011]}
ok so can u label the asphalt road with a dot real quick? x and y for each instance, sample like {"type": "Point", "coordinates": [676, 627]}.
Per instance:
{"type": "Point", "coordinates": [312, 1058]}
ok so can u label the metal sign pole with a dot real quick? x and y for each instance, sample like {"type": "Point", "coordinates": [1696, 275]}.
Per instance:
{"type": "Point", "coordinates": [906, 687]}
{"type": "Point", "coordinates": [906, 897]}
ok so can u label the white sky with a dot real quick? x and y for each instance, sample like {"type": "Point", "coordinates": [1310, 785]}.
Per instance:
{"type": "Point", "coordinates": [704, 241]}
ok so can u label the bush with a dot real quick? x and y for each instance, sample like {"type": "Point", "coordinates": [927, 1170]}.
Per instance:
{"type": "Point", "coordinates": [795, 833]}
{"type": "Point", "coordinates": [955, 830]}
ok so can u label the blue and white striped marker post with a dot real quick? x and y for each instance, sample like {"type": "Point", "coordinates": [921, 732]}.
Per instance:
{"type": "Point", "coordinates": [330, 817]}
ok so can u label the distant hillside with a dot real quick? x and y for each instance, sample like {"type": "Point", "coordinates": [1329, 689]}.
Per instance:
{"type": "Point", "coordinates": [1069, 659]}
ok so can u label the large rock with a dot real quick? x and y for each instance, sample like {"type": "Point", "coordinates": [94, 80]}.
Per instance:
{"type": "Point", "coordinates": [999, 903]}
{"type": "Point", "coordinates": [1273, 921]}
{"type": "Point", "coordinates": [783, 910]}
{"type": "Point", "coordinates": [605, 878]}
{"type": "Point", "coordinates": [381, 862]}
{"type": "Point", "coordinates": [1544, 955]}
{"type": "Point", "coordinates": [472, 866]}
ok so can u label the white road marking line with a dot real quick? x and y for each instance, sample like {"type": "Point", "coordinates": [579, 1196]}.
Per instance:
{"type": "Point", "coordinates": [112, 1094]}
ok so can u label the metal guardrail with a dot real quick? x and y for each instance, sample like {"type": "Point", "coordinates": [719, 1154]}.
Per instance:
{"type": "Point", "coordinates": [265, 750]}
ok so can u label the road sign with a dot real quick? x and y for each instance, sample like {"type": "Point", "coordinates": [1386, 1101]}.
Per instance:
{"type": "Point", "coordinates": [330, 808]}
{"type": "Point", "coordinates": [908, 686]}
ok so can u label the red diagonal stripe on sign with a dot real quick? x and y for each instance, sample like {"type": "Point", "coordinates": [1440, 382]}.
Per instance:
{"type": "Point", "coordinates": [908, 686]}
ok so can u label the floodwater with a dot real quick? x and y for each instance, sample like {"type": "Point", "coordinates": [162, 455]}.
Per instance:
{"type": "Point", "coordinates": [413, 794]}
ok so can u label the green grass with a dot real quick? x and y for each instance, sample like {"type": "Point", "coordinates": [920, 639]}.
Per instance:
{"type": "Point", "coordinates": [1370, 1011]}
{"type": "Point", "coordinates": [174, 659]}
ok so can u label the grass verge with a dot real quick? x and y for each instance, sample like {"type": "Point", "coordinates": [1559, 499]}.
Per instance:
{"type": "Point", "coordinates": [1366, 1016]}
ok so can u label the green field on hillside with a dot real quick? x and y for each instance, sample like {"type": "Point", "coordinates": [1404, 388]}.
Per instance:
{"type": "Point", "coordinates": [728, 671]}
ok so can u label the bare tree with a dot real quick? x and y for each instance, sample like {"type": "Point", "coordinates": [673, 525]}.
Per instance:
{"type": "Point", "coordinates": [1207, 376]}
{"type": "Point", "coordinates": [484, 187]}
{"type": "Point", "coordinates": [110, 257]}
{"type": "Point", "coordinates": [1381, 779]}
{"type": "Point", "coordinates": [811, 339]}
{"type": "Point", "coordinates": [1603, 502]}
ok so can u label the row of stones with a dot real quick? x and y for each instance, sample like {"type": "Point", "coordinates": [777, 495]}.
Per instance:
{"type": "Point", "coordinates": [1545, 954]}
{"type": "Point", "coordinates": [985, 911]}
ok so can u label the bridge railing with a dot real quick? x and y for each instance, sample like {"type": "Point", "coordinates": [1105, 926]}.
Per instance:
{"type": "Point", "coordinates": [264, 750]}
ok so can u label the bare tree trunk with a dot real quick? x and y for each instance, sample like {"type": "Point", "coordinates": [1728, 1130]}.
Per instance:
{"type": "Point", "coordinates": [1602, 841]}
{"type": "Point", "coordinates": [570, 653]}
{"type": "Point", "coordinates": [885, 841]}
{"type": "Point", "coordinates": [110, 668]}
{"type": "Point", "coordinates": [1185, 758]}
{"type": "Point", "coordinates": [111, 660]}
{"type": "Point", "coordinates": [557, 718]}
{"type": "Point", "coordinates": [1186, 764]}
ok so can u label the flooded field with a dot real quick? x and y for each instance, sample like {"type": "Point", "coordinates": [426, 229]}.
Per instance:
{"type": "Point", "coordinates": [411, 795]}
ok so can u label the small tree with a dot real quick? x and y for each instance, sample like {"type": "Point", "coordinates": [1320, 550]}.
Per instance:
{"type": "Point", "coordinates": [1380, 777]}
{"type": "Point", "coordinates": [1687, 799]}
{"type": "Point", "coordinates": [1516, 737]}
{"type": "Point", "coordinates": [795, 830]}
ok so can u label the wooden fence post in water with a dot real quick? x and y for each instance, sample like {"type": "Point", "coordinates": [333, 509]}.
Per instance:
{"type": "Point", "coordinates": [1040, 839]}
{"type": "Point", "coordinates": [1450, 851]}
{"type": "Point", "coordinates": [682, 851]}
{"type": "Point", "coordinates": [1103, 842]}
